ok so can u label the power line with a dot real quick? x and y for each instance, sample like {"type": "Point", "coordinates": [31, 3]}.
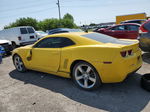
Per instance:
{"type": "Point", "coordinates": [29, 13]}
{"type": "Point", "coordinates": [26, 7]}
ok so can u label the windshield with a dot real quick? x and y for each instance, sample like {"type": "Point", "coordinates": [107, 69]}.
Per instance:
{"type": "Point", "coordinates": [40, 32]}
{"type": "Point", "coordinates": [106, 39]}
{"type": "Point", "coordinates": [75, 30]}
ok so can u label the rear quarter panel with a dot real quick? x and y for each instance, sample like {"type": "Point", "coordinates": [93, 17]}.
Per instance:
{"type": "Point", "coordinates": [91, 54]}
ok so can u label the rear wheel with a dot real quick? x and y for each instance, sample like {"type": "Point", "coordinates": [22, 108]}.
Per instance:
{"type": "Point", "coordinates": [19, 63]}
{"type": "Point", "coordinates": [85, 76]}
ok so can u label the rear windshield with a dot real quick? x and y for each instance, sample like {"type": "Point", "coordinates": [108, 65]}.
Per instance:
{"type": "Point", "coordinates": [105, 39]}
{"type": "Point", "coordinates": [147, 26]}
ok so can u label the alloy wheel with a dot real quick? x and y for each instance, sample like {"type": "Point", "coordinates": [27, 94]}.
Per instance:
{"type": "Point", "coordinates": [85, 76]}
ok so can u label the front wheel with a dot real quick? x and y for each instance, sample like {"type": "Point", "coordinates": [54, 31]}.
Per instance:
{"type": "Point", "coordinates": [85, 76]}
{"type": "Point", "coordinates": [19, 65]}
{"type": "Point", "coordinates": [14, 46]}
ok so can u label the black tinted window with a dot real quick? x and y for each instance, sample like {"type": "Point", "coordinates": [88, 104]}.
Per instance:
{"type": "Point", "coordinates": [132, 27]}
{"type": "Point", "coordinates": [66, 42]}
{"type": "Point", "coordinates": [120, 28]}
{"type": "Point", "coordinates": [23, 30]}
{"type": "Point", "coordinates": [30, 30]}
{"type": "Point", "coordinates": [52, 42]}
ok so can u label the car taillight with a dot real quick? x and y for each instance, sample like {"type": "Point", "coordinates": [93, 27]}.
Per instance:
{"type": "Point", "coordinates": [129, 52]}
{"type": "Point", "coordinates": [126, 53]}
{"type": "Point", "coordinates": [19, 38]}
{"type": "Point", "coordinates": [142, 29]}
{"type": "Point", "coordinates": [123, 53]}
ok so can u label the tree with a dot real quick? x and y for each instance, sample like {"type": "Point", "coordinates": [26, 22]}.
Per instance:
{"type": "Point", "coordinates": [23, 22]}
{"type": "Point", "coordinates": [92, 24]}
{"type": "Point", "coordinates": [66, 22]}
{"type": "Point", "coordinates": [48, 24]}
{"type": "Point", "coordinates": [68, 17]}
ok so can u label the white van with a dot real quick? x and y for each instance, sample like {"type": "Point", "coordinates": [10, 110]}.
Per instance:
{"type": "Point", "coordinates": [22, 35]}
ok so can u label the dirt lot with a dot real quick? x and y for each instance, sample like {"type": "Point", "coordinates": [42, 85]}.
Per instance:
{"type": "Point", "coordinates": [39, 92]}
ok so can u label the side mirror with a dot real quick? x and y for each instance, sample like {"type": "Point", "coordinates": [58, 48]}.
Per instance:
{"type": "Point", "coordinates": [29, 55]}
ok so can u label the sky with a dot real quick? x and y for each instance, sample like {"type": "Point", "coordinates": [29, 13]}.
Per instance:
{"type": "Point", "coordinates": [83, 11]}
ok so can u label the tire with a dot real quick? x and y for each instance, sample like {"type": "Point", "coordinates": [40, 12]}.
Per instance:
{"type": "Point", "coordinates": [85, 76]}
{"type": "Point", "coordinates": [14, 45]}
{"type": "Point", "coordinates": [19, 65]}
{"type": "Point", "coordinates": [145, 82]}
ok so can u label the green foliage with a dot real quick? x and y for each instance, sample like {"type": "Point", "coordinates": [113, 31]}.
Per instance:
{"type": "Point", "coordinates": [68, 17]}
{"type": "Point", "coordinates": [92, 24]}
{"type": "Point", "coordinates": [23, 22]}
{"type": "Point", "coordinates": [48, 24]}
{"type": "Point", "coordinates": [66, 22]}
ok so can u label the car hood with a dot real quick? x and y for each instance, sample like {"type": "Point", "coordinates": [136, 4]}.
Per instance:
{"type": "Point", "coordinates": [4, 41]}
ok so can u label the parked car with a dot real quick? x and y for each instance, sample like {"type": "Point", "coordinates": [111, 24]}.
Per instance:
{"type": "Point", "coordinates": [22, 35]}
{"type": "Point", "coordinates": [122, 31]}
{"type": "Point", "coordinates": [89, 58]}
{"type": "Point", "coordinates": [100, 27]}
{"type": "Point", "coordinates": [6, 46]}
{"type": "Point", "coordinates": [40, 34]}
{"type": "Point", "coordinates": [2, 52]}
{"type": "Point", "coordinates": [138, 21]}
{"type": "Point", "coordinates": [144, 36]}
{"type": "Point", "coordinates": [63, 30]}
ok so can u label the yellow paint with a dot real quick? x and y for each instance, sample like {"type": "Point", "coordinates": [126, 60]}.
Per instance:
{"type": "Point", "coordinates": [121, 18]}
{"type": "Point", "coordinates": [58, 61]}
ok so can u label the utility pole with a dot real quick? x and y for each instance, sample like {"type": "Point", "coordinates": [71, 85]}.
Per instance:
{"type": "Point", "coordinates": [59, 9]}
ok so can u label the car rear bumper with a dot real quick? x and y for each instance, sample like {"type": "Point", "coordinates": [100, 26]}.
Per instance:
{"type": "Point", "coordinates": [117, 71]}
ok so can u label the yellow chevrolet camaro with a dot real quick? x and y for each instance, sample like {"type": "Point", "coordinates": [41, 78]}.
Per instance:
{"type": "Point", "coordinates": [90, 59]}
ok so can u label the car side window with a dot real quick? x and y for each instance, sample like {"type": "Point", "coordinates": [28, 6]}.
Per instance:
{"type": "Point", "coordinates": [132, 28]}
{"type": "Point", "coordinates": [52, 42]}
{"type": "Point", "coordinates": [30, 30]}
{"type": "Point", "coordinates": [119, 28]}
{"type": "Point", "coordinates": [23, 30]}
{"type": "Point", "coordinates": [66, 42]}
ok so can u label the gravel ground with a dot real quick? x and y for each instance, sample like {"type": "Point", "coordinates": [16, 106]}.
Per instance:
{"type": "Point", "coordinates": [39, 92]}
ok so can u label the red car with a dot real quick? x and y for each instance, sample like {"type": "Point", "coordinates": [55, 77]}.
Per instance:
{"type": "Point", "coordinates": [122, 31]}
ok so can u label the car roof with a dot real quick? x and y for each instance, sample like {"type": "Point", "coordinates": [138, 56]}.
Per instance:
{"type": "Point", "coordinates": [75, 36]}
{"type": "Point", "coordinates": [62, 30]}
{"type": "Point", "coordinates": [70, 33]}
{"type": "Point", "coordinates": [59, 29]}
{"type": "Point", "coordinates": [124, 24]}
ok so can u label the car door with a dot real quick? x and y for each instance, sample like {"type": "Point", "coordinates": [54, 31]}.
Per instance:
{"type": "Point", "coordinates": [24, 35]}
{"type": "Point", "coordinates": [119, 31]}
{"type": "Point", "coordinates": [46, 55]}
{"type": "Point", "coordinates": [132, 31]}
